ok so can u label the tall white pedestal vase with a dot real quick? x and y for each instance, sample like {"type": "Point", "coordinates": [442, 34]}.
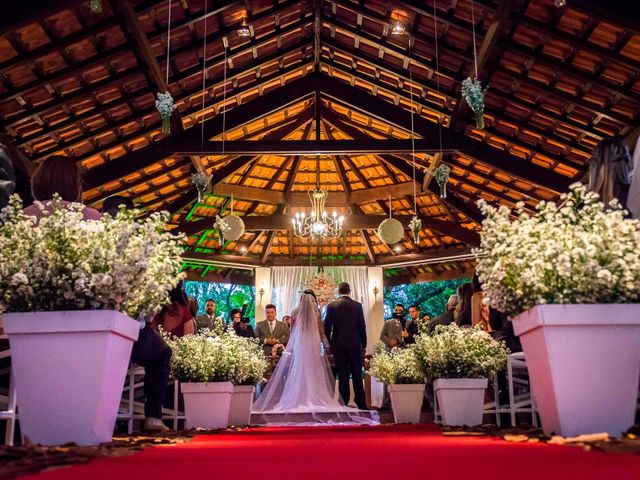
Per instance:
{"type": "Point", "coordinates": [207, 405]}
{"type": "Point", "coordinates": [406, 402]}
{"type": "Point", "coordinates": [460, 400]}
{"type": "Point", "coordinates": [69, 370]}
{"type": "Point", "coordinates": [241, 403]}
{"type": "Point", "coordinates": [584, 365]}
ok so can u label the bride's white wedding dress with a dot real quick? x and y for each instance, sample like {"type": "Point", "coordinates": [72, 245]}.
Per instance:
{"type": "Point", "coordinates": [301, 388]}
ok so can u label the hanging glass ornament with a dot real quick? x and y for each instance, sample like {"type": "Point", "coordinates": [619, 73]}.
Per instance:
{"type": "Point", "coordinates": [201, 181]}
{"type": "Point", "coordinates": [415, 225]}
{"type": "Point", "coordinates": [474, 95]}
{"type": "Point", "coordinates": [95, 6]}
{"type": "Point", "coordinates": [559, 3]}
{"type": "Point", "coordinates": [165, 106]}
{"type": "Point", "coordinates": [442, 177]}
{"type": "Point", "coordinates": [222, 227]}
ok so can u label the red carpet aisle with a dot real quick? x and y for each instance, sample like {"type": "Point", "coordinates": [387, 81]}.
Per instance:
{"type": "Point", "coordinates": [363, 453]}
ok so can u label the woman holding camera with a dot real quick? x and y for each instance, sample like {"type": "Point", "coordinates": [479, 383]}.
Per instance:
{"type": "Point", "coordinates": [242, 328]}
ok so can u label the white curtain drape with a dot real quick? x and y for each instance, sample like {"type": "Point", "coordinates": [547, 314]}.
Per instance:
{"type": "Point", "coordinates": [286, 283]}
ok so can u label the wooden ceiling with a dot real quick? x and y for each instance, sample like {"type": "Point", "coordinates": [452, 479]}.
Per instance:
{"type": "Point", "coordinates": [332, 77]}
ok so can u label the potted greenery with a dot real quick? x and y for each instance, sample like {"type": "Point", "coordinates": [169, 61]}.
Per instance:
{"type": "Point", "coordinates": [70, 289]}
{"type": "Point", "coordinates": [204, 365]}
{"type": "Point", "coordinates": [249, 368]}
{"type": "Point", "coordinates": [459, 362]}
{"type": "Point", "coordinates": [400, 370]}
{"type": "Point", "coordinates": [569, 276]}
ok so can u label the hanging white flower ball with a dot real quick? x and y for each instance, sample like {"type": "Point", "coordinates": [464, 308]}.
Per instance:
{"type": "Point", "coordinates": [236, 227]}
{"type": "Point", "coordinates": [390, 231]}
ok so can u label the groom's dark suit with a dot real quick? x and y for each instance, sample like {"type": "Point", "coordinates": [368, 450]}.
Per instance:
{"type": "Point", "coordinates": [346, 331]}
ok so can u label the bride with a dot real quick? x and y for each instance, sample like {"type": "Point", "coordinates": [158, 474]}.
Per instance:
{"type": "Point", "coordinates": [301, 388]}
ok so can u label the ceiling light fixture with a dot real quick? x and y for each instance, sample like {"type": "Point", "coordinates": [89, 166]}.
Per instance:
{"type": "Point", "coordinates": [398, 28]}
{"type": "Point", "coordinates": [244, 30]}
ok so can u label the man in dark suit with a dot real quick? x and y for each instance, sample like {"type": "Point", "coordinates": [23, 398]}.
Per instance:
{"type": "Point", "coordinates": [347, 334]}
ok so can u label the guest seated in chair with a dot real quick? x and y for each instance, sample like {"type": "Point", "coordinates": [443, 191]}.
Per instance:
{"type": "Point", "coordinates": [447, 317]}
{"type": "Point", "coordinates": [149, 351]}
{"type": "Point", "coordinates": [175, 318]}
{"type": "Point", "coordinates": [241, 325]}
{"type": "Point", "coordinates": [59, 175]}
{"type": "Point", "coordinates": [271, 331]}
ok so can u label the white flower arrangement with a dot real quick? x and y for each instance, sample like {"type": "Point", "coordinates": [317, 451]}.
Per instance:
{"type": "Point", "coordinates": [324, 288]}
{"type": "Point", "coordinates": [208, 357]}
{"type": "Point", "coordinates": [474, 95]}
{"type": "Point", "coordinates": [442, 178]}
{"type": "Point", "coordinates": [576, 252]}
{"type": "Point", "coordinates": [61, 262]}
{"type": "Point", "coordinates": [201, 181]}
{"type": "Point", "coordinates": [399, 366]}
{"type": "Point", "coordinates": [454, 352]}
{"type": "Point", "coordinates": [165, 106]}
{"type": "Point", "coordinates": [415, 225]}
{"type": "Point", "coordinates": [390, 231]}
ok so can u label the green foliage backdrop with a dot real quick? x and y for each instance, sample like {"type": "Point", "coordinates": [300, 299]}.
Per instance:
{"type": "Point", "coordinates": [226, 296]}
{"type": "Point", "coordinates": [431, 297]}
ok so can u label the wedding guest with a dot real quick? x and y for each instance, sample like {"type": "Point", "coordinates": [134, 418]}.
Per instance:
{"type": "Point", "coordinates": [209, 319]}
{"type": "Point", "coordinates": [393, 333]}
{"type": "Point", "coordinates": [479, 310]}
{"type": "Point", "coordinates": [150, 350]}
{"type": "Point", "coordinates": [633, 201]}
{"type": "Point", "coordinates": [287, 321]}
{"type": "Point", "coordinates": [610, 171]}
{"type": "Point", "coordinates": [59, 175]}
{"type": "Point", "coordinates": [7, 177]}
{"type": "Point", "coordinates": [242, 328]}
{"type": "Point", "coordinates": [175, 318]}
{"type": "Point", "coordinates": [413, 327]}
{"type": "Point", "coordinates": [447, 317]}
{"type": "Point", "coordinates": [114, 203]}
{"type": "Point", "coordinates": [271, 331]}
{"type": "Point", "coordinates": [462, 313]}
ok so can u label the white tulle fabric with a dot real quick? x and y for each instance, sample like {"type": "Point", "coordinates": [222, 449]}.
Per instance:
{"type": "Point", "coordinates": [301, 388]}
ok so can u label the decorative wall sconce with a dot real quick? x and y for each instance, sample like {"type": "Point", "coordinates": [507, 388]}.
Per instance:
{"type": "Point", "coordinates": [376, 291]}
{"type": "Point", "coordinates": [261, 293]}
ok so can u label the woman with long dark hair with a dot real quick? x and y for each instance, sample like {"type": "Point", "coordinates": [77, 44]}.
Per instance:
{"type": "Point", "coordinates": [462, 313]}
{"type": "Point", "coordinates": [175, 318]}
{"type": "Point", "coordinates": [610, 171]}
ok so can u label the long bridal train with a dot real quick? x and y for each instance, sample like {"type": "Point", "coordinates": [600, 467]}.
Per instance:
{"type": "Point", "coordinates": [301, 389]}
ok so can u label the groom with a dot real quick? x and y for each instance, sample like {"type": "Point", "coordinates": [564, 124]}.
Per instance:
{"type": "Point", "coordinates": [345, 329]}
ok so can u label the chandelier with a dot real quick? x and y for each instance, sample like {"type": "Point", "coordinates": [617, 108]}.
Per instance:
{"type": "Point", "coordinates": [318, 225]}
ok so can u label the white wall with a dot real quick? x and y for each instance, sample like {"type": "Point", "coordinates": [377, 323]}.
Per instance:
{"type": "Point", "coordinates": [375, 314]}
{"type": "Point", "coordinates": [262, 280]}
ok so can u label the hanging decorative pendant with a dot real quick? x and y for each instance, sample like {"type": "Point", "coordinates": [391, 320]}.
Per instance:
{"type": "Point", "coordinates": [442, 177]}
{"type": "Point", "coordinates": [235, 227]}
{"type": "Point", "coordinates": [474, 95]}
{"type": "Point", "coordinates": [415, 225]}
{"type": "Point", "coordinates": [390, 231]}
{"type": "Point", "coordinates": [165, 106]}
{"type": "Point", "coordinates": [201, 181]}
{"type": "Point", "coordinates": [560, 3]}
{"type": "Point", "coordinates": [95, 6]}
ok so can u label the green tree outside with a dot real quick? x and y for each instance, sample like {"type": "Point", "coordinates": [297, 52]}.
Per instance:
{"type": "Point", "coordinates": [431, 297]}
{"type": "Point", "coordinates": [227, 297]}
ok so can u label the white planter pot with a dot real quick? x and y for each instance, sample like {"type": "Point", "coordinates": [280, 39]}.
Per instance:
{"type": "Point", "coordinates": [241, 403]}
{"type": "Point", "coordinates": [207, 405]}
{"type": "Point", "coordinates": [460, 400]}
{"type": "Point", "coordinates": [69, 370]}
{"type": "Point", "coordinates": [584, 365]}
{"type": "Point", "coordinates": [406, 402]}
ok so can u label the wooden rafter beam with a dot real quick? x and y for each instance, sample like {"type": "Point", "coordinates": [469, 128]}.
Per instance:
{"type": "Point", "coordinates": [453, 274]}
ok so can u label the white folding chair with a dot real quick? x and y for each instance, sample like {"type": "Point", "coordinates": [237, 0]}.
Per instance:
{"type": "Point", "coordinates": [8, 400]}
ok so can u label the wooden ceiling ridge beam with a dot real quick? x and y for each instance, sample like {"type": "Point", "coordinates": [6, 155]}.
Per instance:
{"type": "Point", "coordinates": [255, 109]}
{"type": "Point", "coordinates": [364, 102]}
